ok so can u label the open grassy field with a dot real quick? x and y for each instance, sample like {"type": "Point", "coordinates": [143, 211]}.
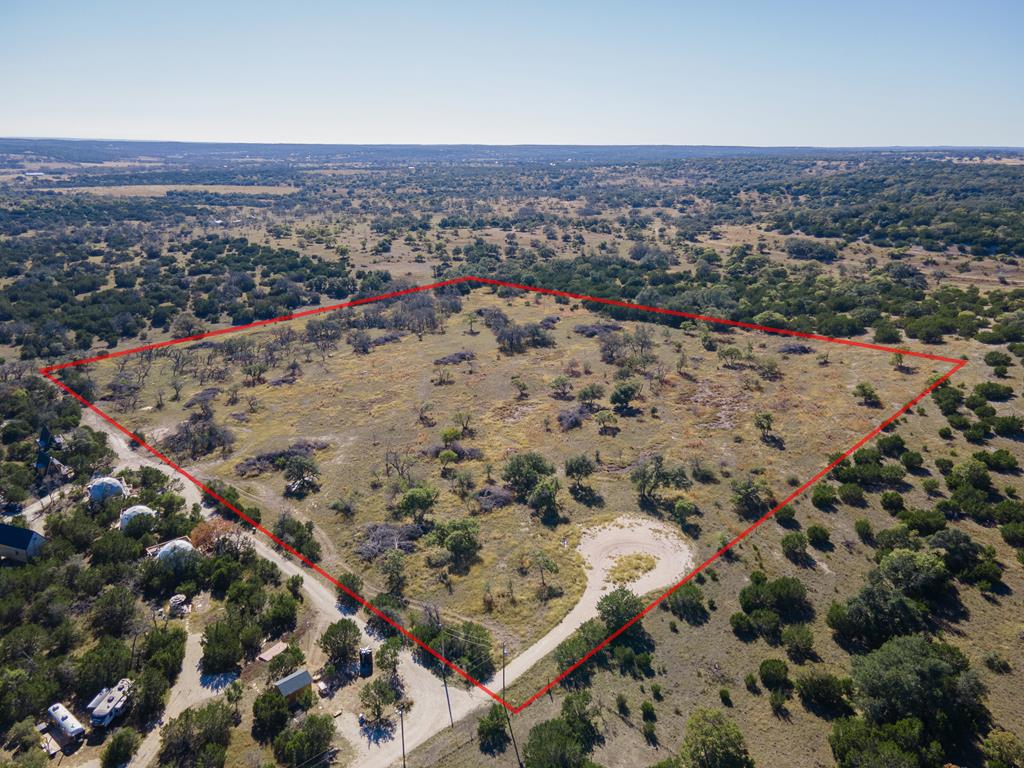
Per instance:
{"type": "Point", "coordinates": [363, 407]}
{"type": "Point", "coordinates": [705, 664]}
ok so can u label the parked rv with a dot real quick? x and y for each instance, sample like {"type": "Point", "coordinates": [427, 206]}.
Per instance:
{"type": "Point", "coordinates": [110, 703]}
{"type": "Point", "coordinates": [65, 722]}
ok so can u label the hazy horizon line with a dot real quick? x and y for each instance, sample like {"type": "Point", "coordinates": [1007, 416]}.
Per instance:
{"type": "Point", "coordinates": [244, 142]}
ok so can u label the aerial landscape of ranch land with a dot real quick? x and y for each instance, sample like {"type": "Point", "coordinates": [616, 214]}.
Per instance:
{"type": "Point", "coordinates": [390, 427]}
{"type": "Point", "coordinates": [444, 480]}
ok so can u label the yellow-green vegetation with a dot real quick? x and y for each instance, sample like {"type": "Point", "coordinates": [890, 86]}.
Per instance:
{"type": "Point", "coordinates": [355, 429]}
{"type": "Point", "coordinates": [386, 420]}
{"type": "Point", "coordinates": [629, 568]}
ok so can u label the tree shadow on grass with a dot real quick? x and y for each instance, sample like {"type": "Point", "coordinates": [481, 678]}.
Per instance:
{"type": "Point", "coordinates": [496, 744]}
{"type": "Point", "coordinates": [832, 710]}
{"type": "Point", "coordinates": [586, 496]}
{"type": "Point", "coordinates": [691, 529]}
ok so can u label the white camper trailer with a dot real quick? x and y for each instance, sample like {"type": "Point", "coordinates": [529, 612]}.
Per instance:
{"type": "Point", "coordinates": [65, 722]}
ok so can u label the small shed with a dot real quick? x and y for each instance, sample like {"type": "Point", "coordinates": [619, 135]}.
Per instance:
{"type": "Point", "coordinates": [275, 650]}
{"type": "Point", "coordinates": [19, 544]}
{"type": "Point", "coordinates": [294, 684]}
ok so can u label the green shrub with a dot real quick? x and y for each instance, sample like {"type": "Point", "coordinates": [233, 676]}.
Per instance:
{"type": "Point", "coordinates": [121, 747]}
{"type": "Point", "coordinates": [492, 730]}
{"type": "Point", "coordinates": [821, 691]}
{"type": "Point", "coordinates": [742, 625]}
{"type": "Point", "coordinates": [818, 536]}
{"type": "Point", "coordinates": [799, 641]}
{"type": "Point", "coordinates": [912, 460]}
{"type": "Point", "coordinates": [774, 674]}
{"type": "Point", "coordinates": [794, 546]}
{"type": "Point", "coordinates": [766, 623]}
{"type": "Point", "coordinates": [863, 528]}
{"type": "Point", "coordinates": [823, 496]}
{"type": "Point", "coordinates": [785, 515]}
{"type": "Point", "coordinates": [851, 494]}
{"type": "Point", "coordinates": [892, 501]}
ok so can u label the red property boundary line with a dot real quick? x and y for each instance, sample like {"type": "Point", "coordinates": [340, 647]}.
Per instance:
{"type": "Point", "coordinates": [956, 365]}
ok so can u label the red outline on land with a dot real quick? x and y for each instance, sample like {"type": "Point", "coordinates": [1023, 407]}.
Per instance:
{"type": "Point", "coordinates": [956, 366]}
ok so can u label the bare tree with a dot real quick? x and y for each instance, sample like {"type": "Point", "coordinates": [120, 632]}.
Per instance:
{"type": "Point", "coordinates": [398, 462]}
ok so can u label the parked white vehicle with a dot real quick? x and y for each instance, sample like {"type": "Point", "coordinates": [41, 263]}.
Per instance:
{"type": "Point", "coordinates": [66, 723]}
{"type": "Point", "coordinates": [110, 703]}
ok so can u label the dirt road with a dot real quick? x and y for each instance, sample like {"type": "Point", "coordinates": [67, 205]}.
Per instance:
{"type": "Point", "coordinates": [35, 513]}
{"type": "Point", "coordinates": [127, 458]}
{"type": "Point", "coordinates": [189, 690]}
{"type": "Point", "coordinates": [600, 547]}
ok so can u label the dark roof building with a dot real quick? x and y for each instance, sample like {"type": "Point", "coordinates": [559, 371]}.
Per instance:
{"type": "Point", "coordinates": [20, 544]}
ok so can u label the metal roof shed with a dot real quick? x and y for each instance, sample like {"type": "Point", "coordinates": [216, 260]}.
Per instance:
{"type": "Point", "coordinates": [293, 683]}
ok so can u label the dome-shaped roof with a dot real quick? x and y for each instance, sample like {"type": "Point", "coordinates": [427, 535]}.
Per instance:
{"type": "Point", "coordinates": [103, 488]}
{"type": "Point", "coordinates": [132, 512]}
{"type": "Point", "coordinates": [172, 550]}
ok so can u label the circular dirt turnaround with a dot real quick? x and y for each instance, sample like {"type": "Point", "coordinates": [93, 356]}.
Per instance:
{"type": "Point", "coordinates": [601, 546]}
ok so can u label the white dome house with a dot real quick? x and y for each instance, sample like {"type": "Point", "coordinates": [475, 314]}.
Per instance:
{"type": "Point", "coordinates": [132, 512]}
{"type": "Point", "coordinates": [103, 488]}
{"type": "Point", "coordinates": [175, 551]}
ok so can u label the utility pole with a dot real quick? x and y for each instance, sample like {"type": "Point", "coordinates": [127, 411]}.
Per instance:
{"type": "Point", "coordinates": [401, 719]}
{"type": "Point", "coordinates": [444, 678]}
{"type": "Point", "coordinates": [135, 636]}
{"type": "Point", "coordinates": [508, 717]}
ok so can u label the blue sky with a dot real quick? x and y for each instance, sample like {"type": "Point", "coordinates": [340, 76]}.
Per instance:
{"type": "Point", "coordinates": [822, 73]}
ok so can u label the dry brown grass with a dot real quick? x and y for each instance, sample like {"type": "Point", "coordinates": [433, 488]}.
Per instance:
{"type": "Point", "coordinates": [365, 405]}
{"type": "Point", "coordinates": [629, 568]}
{"type": "Point", "coordinates": [694, 663]}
